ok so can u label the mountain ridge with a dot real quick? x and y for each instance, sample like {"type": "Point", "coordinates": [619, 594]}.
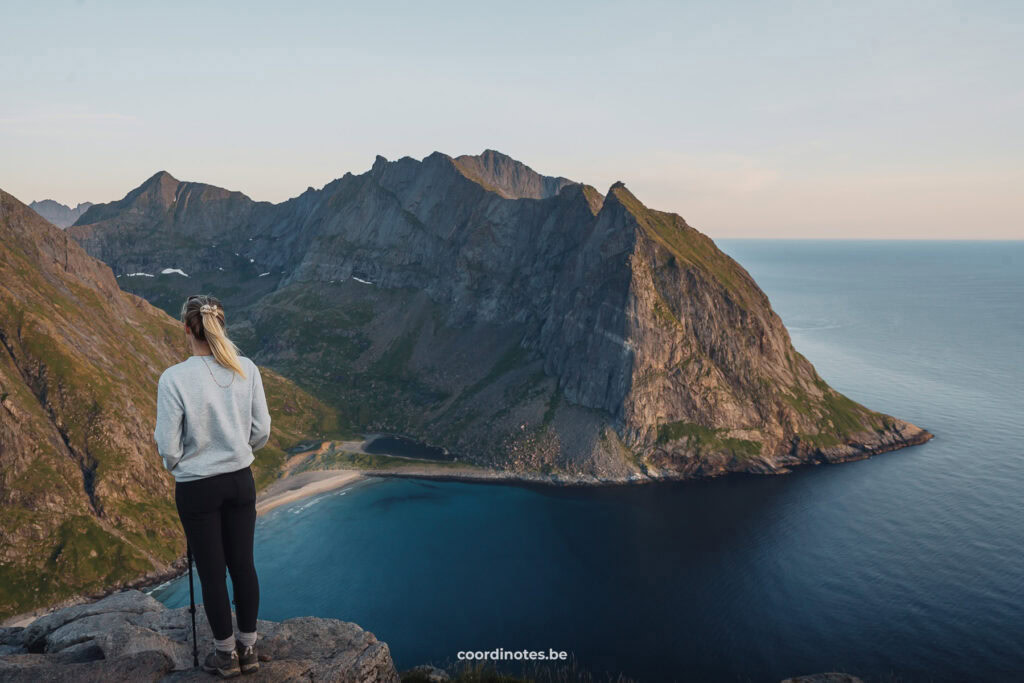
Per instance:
{"type": "Point", "coordinates": [511, 179]}
{"type": "Point", "coordinates": [627, 342]}
{"type": "Point", "coordinates": [59, 214]}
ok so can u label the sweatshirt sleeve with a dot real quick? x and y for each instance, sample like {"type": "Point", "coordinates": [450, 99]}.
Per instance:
{"type": "Point", "coordinates": [260, 431]}
{"type": "Point", "coordinates": [169, 418]}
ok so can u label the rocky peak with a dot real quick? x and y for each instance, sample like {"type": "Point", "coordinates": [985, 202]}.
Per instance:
{"type": "Point", "coordinates": [511, 179]}
{"type": "Point", "coordinates": [378, 164]}
{"type": "Point", "coordinates": [155, 195]}
{"type": "Point", "coordinates": [60, 215]}
{"type": "Point", "coordinates": [160, 178]}
{"type": "Point", "coordinates": [160, 187]}
{"type": "Point", "coordinates": [620, 194]}
{"type": "Point", "coordinates": [162, 196]}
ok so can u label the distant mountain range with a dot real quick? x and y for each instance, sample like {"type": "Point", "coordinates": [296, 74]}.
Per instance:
{"type": "Point", "coordinates": [85, 502]}
{"type": "Point", "coordinates": [523, 321]}
{"type": "Point", "coordinates": [60, 215]}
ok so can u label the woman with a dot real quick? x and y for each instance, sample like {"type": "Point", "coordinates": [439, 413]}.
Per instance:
{"type": "Point", "coordinates": [211, 415]}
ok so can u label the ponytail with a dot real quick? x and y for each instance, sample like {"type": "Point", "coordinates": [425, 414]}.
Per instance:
{"type": "Point", "coordinates": [204, 316]}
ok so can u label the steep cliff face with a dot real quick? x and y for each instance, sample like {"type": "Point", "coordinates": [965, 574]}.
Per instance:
{"type": "Point", "coordinates": [85, 502]}
{"type": "Point", "coordinates": [523, 321]}
{"type": "Point", "coordinates": [684, 350]}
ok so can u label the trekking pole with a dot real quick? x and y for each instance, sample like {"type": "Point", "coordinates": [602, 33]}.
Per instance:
{"type": "Point", "coordinates": [192, 600]}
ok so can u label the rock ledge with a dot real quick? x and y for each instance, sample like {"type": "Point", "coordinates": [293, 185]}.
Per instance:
{"type": "Point", "coordinates": [131, 636]}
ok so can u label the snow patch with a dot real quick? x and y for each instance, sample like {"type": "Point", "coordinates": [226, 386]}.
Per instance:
{"type": "Point", "coordinates": [169, 271]}
{"type": "Point", "coordinates": [367, 282]}
{"type": "Point", "coordinates": [266, 273]}
{"type": "Point", "coordinates": [138, 275]}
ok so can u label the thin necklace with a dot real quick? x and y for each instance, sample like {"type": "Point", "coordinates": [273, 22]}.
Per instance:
{"type": "Point", "coordinates": [222, 386]}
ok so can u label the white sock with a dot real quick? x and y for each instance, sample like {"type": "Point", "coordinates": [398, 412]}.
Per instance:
{"type": "Point", "coordinates": [247, 639]}
{"type": "Point", "coordinates": [226, 645]}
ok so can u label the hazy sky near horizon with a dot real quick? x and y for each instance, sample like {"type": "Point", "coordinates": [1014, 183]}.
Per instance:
{"type": "Point", "coordinates": [752, 119]}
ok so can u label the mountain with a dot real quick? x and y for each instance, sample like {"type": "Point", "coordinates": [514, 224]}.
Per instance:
{"type": "Point", "coordinates": [58, 214]}
{"type": "Point", "coordinates": [523, 321]}
{"type": "Point", "coordinates": [507, 177]}
{"type": "Point", "coordinates": [85, 502]}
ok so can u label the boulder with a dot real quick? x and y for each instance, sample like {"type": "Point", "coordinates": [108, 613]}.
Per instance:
{"type": "Point", "coordinates": [85, 629]}
{"type": "Point", "coordinates": [336, 650]}
{"type": "Point", "coordinates": [34, 636]}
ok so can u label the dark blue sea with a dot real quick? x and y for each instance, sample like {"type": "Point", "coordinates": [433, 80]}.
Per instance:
{"type": "Point", "coordinates": [906, 566]}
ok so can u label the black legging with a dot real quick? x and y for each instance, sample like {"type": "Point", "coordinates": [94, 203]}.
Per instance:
{"type": "Point", "coordinates": [218, 514]}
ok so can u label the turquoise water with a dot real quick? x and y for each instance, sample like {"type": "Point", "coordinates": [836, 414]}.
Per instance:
{"type": "Point", "coordinates": [906, 566]}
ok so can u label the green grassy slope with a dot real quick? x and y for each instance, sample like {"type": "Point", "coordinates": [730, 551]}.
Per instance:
{"type": "Point", "coordinates": [85, 503]}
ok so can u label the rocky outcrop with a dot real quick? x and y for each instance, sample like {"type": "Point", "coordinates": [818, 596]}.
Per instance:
{"type": "Point", "coordinates": [507, 177]}
{"type": "Point", "coordinates": [85, 502]}
{"type": "Point", "coordinates": [129, 636]}
{"type": "Point", "coordinates": [60, 215]}
{"type": "Point", "coordinates": [526, 322]}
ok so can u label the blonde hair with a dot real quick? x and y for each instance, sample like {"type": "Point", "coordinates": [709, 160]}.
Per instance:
{"type": "Point", "coordinates": [204, 316]}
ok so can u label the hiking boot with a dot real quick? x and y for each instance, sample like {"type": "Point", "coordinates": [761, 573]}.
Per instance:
{"type": "Point", "coordinates": [224, 664]}
{"type": "Point", "coordinates": [248, 660]}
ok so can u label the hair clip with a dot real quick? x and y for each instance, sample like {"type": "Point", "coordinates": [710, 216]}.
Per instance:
{"type": "Point", "coordinates": [207, 308]}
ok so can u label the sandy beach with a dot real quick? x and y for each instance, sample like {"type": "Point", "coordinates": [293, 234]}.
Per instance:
{"type": "Point", "coordinates": [302, 485]}
{"type": "Point", "coordinates": [294, 487]}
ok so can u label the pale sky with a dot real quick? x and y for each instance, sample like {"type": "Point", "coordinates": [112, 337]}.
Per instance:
{"type": "Point", "coordinates": [753, 119]}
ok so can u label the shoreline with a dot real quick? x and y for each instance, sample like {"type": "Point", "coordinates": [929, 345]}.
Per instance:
{"type": "Point", "coordinates": [307, 484]}
{"type": "Point", "coordinates": [302, 485]}
{"type": "Point", "coordinates": [310, 483]}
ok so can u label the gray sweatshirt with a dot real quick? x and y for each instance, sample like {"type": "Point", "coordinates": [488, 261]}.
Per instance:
{"type": "Point", "coordinates": [208, 419]}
